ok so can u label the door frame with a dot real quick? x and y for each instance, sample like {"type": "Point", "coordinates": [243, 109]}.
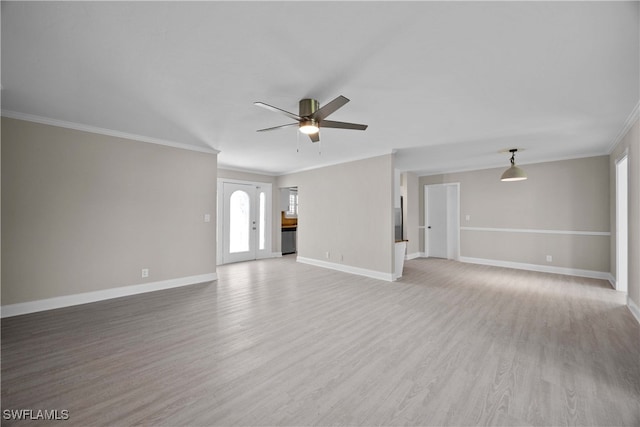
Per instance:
{"type": "Point", "coordinates": [622, 222]}
{"type": "Point", "coordinates": [453, 219]}
{"type": "Point", "coordinates": [268, 236]}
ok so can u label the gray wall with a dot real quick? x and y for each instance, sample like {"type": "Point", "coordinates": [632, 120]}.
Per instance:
{"type": "Point", "coordinates": [569, 196]}
{"type": "Point", "coordinates": [630, 142]}
{"type": "Point", "coordinates": [347, 210]}
{"type": "Point", "coordinates": [84, 212]}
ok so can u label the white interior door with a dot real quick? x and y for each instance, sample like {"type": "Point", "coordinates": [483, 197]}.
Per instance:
{"type": "Point", "coordinates": [436, 221]}
{"type": "Point", "coordinates": [240, 222]}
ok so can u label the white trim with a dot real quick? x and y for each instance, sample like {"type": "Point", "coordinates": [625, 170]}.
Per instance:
{"type": "Point", "coordinates": [633, 308]}
{"type": "Point", "coordinates": [224, 167]}
{"type": "Point", "coordinates": [219, 220]}
{"type": "Point", "coordinates": [380, 153]}
{"type": "Point", "coordinates": [535, 231]}
{"type": "Point", "coordinates": [347, 269]}
{"type": "Point", "coordinates": [621, 207]}
{"type": "Point", "coordinates": [244, 182]}
{"type": "Point", "coordinates": [604, 275]}
{"type": "Point", "coordinates": [414, 255]}
{"type": "Point", "coordinates": [426, 172]}
{"type": "Point", "coordinates": [612, 281]}
{"type": "Point", "coordinates": [103, 131]}
{"type": "Point", "coordinates": [259, 185]}
{"type": "Point", "coordinates": [625, 153]}
{"type": "Point", "coordinates": [631, 118]}
{"type": "Point", "coordinates": [105, 294]}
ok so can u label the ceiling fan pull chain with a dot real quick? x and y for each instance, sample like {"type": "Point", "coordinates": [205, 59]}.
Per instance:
{"type": "Point", "coordinates": [297, 142]}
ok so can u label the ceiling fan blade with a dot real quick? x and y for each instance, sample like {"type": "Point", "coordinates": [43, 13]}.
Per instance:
{"type": "Point", "coordinates": [315, 137]}
{"type": "Point", "coordinates": [278, 127]}
{"type": "Point", "coordinates": [341, 125]}
{"type": "Point", "coordinates": [278, 110]}
{"type": "Point", "coordinates": [329, 108]}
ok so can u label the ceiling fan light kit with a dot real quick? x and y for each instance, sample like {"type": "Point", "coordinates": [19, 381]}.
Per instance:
{"type": "Point", "coordinates": [311, 117]}
{"type": "Point", "coordinates": [309, 126]}
{"type": "Point", "coordinates": [514, 173]}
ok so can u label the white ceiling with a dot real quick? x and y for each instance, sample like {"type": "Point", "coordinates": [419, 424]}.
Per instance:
{"type": "Point", "coordinates": [445, 85]}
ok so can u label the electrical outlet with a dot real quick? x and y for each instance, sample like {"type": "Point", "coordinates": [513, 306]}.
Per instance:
{"type": "Point", "coordinates": [327, 254]}
{"type": "Point", "coordinates": [207, 218]}
{"type": "Point", "coordinates": [145, 272]}
{"type": "Point", "coordinates": [468, 217]}
{"type": "Point", "coordinates": [549, 258]}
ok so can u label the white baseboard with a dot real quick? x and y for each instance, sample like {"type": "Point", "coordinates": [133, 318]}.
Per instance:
{"type": "Point", "coordinates": [87, 297]}
{"type": "Point", "coordinates": [347, 269]}
{"type": "Point", "coordinates": [633, 308]}
{"type": "Point", "coordinates": [612, 281]}
{"type": "Point", "coordinates": [414, 255]}
{"type": "Point", "coordinates": [604, 275]}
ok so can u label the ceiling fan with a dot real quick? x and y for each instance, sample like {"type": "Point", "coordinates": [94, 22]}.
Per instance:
{"type": "Point", "coordinates": [311, 117]}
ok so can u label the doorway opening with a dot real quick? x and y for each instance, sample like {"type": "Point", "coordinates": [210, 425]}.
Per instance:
{"type": "Point", "coordinates": [442, 220]}
{"type": "Point", "coordinates": [244, 221]}
{"type": "Point", "coordinates": [622, 224]}
{"type": "Point", "coordinates": [289, 220]}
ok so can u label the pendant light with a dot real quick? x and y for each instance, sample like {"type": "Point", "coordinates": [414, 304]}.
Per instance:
{"type": "Point", "coordinates": [514, 173]}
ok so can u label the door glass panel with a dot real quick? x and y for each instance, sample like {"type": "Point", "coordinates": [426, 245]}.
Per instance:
{"type": "Point", "coordinates": [262, 221]}
{"type": "Point", "coordinates": [239, 225]}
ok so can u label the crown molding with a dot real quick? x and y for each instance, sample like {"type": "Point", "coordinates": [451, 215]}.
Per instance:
{"type": "Point", "coordinates": [502, 166]}
{"type": "Point", "coordinates": [223, 166]}
{"type": "Point", "coordinates": [102, 131]}
{"type": "Point", "coordinates": [633, 116]}
{"type": "Point", "coordinates": [345, 160]}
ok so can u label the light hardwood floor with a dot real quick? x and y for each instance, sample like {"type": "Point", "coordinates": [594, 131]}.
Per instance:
{"type": "Point", "coordinates": [274, 342]}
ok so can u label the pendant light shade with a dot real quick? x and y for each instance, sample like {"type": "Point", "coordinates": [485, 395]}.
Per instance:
{"type": "Point", "coordinates": [514, 173]}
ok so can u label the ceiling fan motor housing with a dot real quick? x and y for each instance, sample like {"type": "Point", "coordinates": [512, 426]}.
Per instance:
{"type": "Point", "coordinates": [308, 107]}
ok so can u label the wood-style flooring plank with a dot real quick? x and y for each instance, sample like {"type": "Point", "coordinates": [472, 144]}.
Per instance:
{"type": "Point", "coordinates": [274, 342]}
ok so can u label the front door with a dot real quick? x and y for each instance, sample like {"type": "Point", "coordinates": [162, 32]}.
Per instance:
{"type": "Point", "coordinates": [240, 222]}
